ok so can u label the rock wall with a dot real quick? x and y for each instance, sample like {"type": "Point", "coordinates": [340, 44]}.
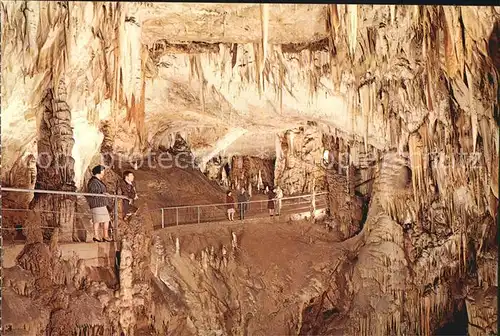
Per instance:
{"type": "Point", "coordinates": [214, 169]}
{"type": "Point", "coordinates": [345, 208]}
{"type": "Point", "coordinates": [299, 161]}
{"type": "Point", "coordinates": [228, 281]}
{"type": "Point", "coordinates": [245, 171]}
{"type": "Point", "coordinates": [45, 294]}
{"type": "Point", "coordinates": [418, 267]}
{"type": "Point", "coordinates": [53, 58]}
{"type": "Point", "coordinates": [349, 178]}
{"type": "Point", "coordinates": [48, 294]}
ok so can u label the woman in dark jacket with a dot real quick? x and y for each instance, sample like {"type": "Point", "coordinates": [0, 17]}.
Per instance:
{"type": "Point", "coordinates": [98, 205]}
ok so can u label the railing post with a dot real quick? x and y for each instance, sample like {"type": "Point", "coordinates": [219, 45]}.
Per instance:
{"type": "Point", "coordinates": [198, 208]}
{"type": "Point", "coordinates": [176, 216]}
{"type": "Point", "coordinates": [116, 219]}
{"type": "Point", "coordinates": [162, 218]}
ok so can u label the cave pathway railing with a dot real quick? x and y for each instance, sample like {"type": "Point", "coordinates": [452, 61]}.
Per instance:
{"type": "Point", "coordinates": [205, 213]}
{"type": "Point", "coordinates": [115, 198]}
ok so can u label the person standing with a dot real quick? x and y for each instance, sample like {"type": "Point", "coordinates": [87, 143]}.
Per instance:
{"type": "Point", "coordinates": [279, 197]}
{"type": "Point", "coordinates": [270, 203]}
{"type": "Point", "coordinates": [126, 187]}
{"type": "Point", "coordinates": [99, 205]}
{"type": "Point", "coordinates": [243, 203]}
{"type": "Point", "coordinates": [230, 205]}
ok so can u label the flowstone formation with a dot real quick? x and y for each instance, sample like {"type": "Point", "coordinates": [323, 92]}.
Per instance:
{"type": "Point", "coordinates": [319, 89]}
{"type": "Point", "coordinates": [299, 161]}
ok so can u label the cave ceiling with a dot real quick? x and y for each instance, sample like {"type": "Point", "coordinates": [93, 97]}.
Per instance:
{"type": "Point", "coordinates": [230, 77]}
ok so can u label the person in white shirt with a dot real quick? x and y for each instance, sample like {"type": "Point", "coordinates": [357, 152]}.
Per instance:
{"type": "Point", "coordinates": [279, 197]}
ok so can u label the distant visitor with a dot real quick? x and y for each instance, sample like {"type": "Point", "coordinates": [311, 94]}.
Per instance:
{"type": "Point", "coordinates": [278, 202]}
{"type": "Point", "coordinates": [230, 206]}
{"type": "Point", "coordinates": [99, 205]}
{"type": "Point", "coordinates": [270, 202]}
{"type": "Point", "coordinates": [243, 199]}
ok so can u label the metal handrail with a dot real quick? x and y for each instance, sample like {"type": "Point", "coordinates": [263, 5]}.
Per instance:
{"type": "Point", "coordinates": [246, 202]}
{"type": "Point", "coordinates": [71, 193]}
{"type": "Point", "coordinates": [116, 197]}
{"type": "Point", "coordinates": [312, 197]}
{"type": "Point", "coordinates": [59, 192]}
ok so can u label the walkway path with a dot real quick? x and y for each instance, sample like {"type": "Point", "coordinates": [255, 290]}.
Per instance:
{"type": "Point", "coordinates": [292, 209]}
{"type": "Point", "coordinates": [257, 209]}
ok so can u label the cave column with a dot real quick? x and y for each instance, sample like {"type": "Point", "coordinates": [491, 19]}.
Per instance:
{"type": "Point", "coordinates": [55, 166]}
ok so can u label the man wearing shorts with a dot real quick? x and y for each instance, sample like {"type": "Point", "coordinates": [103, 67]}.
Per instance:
{"type": "Point", "coordinates": [98, 205]}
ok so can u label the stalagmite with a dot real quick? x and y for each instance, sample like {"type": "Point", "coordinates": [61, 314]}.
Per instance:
{"type": "Point", "coordinates": [224, 256]}
{"type": "Point", "coordinates": [204, 259]}
{"type": "Point", "coordinates": [260, 184]}
{"type": "Point", "coordinates": [177, 246]}
{"type": "Point", "coordinates": [291, 148]}
{"type": "Point", "coordinates": [234, 241]}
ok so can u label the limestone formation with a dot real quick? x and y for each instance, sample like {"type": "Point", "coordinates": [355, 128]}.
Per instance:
{"type": "Point", "coordinates": [55, 166]}
{"type": "Point", "coordinates": [393, 110]}
{"type": "Point", "coordinates": [245, 171]}
{"type": "Point", "coordinates": [299, 169]}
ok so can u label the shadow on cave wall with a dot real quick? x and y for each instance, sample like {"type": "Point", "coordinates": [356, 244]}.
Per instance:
{"type": "Point", "coordinates": [457, 326]}
{"type": "Point", "coordinates": [494, 53]}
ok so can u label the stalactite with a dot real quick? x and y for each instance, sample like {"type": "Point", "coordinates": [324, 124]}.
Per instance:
{"type": "Point", "coordinates": [486, 136]}
{"type": "Point", "coordinates": [449, 54]}
{"type": "Point", "coordinates": [264, 19]}
{"type": "Point", "coordinates": [281, 80]}
{"type": "Point", "coordinates": [459, 45]}
{"type": "Point", "coordinates": [353, 27]}
{"type": "Point", "coordinates": [259, 66]}
{"type": "Point", "coordinates": [202, 82]}
{"type": "Point", "coordinates": [472, 108]}
{"type": "Point", "coordinates": [416, 160]}
{"type": "Point", "coordinates": [364, 96]}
